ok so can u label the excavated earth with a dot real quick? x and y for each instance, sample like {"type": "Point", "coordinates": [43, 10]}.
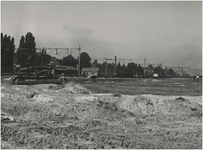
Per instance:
{"type": "Point", "coordinates": [49, 116]}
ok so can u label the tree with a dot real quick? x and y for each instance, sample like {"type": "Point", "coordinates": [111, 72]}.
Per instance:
{"type": "Point", "coordinates": [140, 70]}
{"type": "Point", "coordinates": [26, 50]}
{"type": "Point", "coordinates": [110, 69]}
{"type": "Point", "coordinates": [28, 41]}
{"type": "Point", "coordinates": [102, 68]}
{"type": "Point", "coordinates": [123, 70]}
{"type": "Point", "coordinates": [95, 64]}
{"type": "Point", "coordinates": [69, 61]}
{"type": "Point", "coordinates": [7, 52]}
{"type": "Point", "coordinates": [171, 72]}
{"type": "Point", "coordinates": [2, 37]}
{"type": "Point", "coordinates": [85, 60]}
{"type": "Point", "coordinates": [159, 71]}
{"type": "Point", "coordinates": [60, 61]}
{"type": "Point", "coordinates": [118, 69]}
{"type": "Point", "coordinates": [22, 42]}
{"type": "Point", "coordinates": [40, 58]}
{"type": "Point", "coordinates": [131, 67]}
{"type": "Point", "coordinates": [149, 70]}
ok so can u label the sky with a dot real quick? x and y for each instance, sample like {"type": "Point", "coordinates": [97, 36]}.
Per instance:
{"type": "Point", "coordinates": [160, 31]}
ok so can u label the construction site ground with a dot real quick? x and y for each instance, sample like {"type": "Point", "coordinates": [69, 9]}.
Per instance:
{"type": "Point", "coordinates": [135, 113]}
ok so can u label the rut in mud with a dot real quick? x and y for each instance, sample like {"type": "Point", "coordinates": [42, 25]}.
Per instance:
{"type": "Point", "coordinates": [51, 116]}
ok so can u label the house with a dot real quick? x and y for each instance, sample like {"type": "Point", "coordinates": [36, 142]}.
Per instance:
{"type": "Point", "coordinates": [59, 69]}
{"type": "Point", "coordinates": [67, 70]}
{"type": "Point", "coordinates": [155, 75]}
{"type": "Point", "coordinates": [90, 71]}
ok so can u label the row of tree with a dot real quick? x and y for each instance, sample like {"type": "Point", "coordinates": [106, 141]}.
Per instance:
{"type": "Point", "coordinates": [110, 69]}
{"type": "Point", "coordinates": [132, 70]}
{"type": "Point", "coordinates": [7, 51]}
{"type": "Point", "coordinates": [85, 61]}
{"type": "Point", "coordinates": [27, 55]}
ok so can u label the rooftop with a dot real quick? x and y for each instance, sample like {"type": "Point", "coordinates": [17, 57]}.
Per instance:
{"type": "Point", "coordinates": [61, 67]}
{"type": "Point", "coordinates": [90, 69]}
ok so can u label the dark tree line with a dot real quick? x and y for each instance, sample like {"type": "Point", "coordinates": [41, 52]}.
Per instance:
{"type": "Point", "coordinates": [7, 52]}
{"type": "Point", "coordinates": [131, 70]}
{"type": "Point", "coordinates": [27, 55]}
{"type": "Point", "coordinates": [85, 61]}
{"type": "Point", "coordinates": [68, 61]}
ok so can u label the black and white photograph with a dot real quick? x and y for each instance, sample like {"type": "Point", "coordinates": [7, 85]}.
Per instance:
{"type": "Point", "coordinates": [101, 74]}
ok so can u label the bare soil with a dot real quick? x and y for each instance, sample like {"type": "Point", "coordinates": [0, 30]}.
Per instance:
{"type": "Point", "coordinates": [102, 113]}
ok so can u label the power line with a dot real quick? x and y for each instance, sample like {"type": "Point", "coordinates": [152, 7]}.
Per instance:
{"type": "Point", "coordinates": [69, 50]}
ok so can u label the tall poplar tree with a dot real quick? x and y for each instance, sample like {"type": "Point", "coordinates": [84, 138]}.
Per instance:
{"type": "Point", "coordinates": [7, 52]}
{"type": "Point", "coordinates": [26, 49]}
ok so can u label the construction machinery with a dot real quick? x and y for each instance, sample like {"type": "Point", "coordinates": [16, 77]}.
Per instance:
{"type": "Point", "coordinates": [32, 74]}
{"type": "Point", "coordinates": [36, 75]}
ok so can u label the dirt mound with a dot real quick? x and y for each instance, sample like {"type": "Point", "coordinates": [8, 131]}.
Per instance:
{"type": "Point", "coordinates": [137, 105]}
{"type": "Point", "coordinates": [43, 98]}
{"type": "Point", "coordinates": [50, 116]}
{"type": "Point", "coordinates": [5, 117]}
{"type": "Point", "coordinates": [146, 106]}
{"type": "Point", "coordinates": [74, 88]}
{"type": "Point", "coordinates": [2, 95]}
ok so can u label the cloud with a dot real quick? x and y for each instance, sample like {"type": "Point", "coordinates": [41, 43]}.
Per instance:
{"type": "Point", "coordinates": [188, 55]}
{"type": "Point", "coordinates": [76, 31]}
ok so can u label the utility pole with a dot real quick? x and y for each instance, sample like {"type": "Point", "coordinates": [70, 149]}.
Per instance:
{"type": "Point", "coordinates": [67, 51]}
{"type": "Point", "coordinates": [106, 68]}
{"type": "Point", "coordinates": [115, 73]}
{"type": "Point", "coordinates": [70, 63]}
{"type": "Point", "coordinates": [189, 71]}
{"type": "Point", "coordinates": [107, 65]}
{"type": "Point", "coordinates": [13, 59]}
{"type": "Point", "coordinates": [160, 69]}
{"type": "Point", "coordinates": [144, 66]}
{"type": "Point", "coordinates": [79, 62]}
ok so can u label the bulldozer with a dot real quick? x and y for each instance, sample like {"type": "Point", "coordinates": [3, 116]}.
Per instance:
{"type": "Point", "coordinates": [36, 74]}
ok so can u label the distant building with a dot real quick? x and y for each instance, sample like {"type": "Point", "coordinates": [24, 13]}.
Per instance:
{"type": "Point", "coordinates": [155, 75]}
{"type": "Point", "coordinates": [67, 70]}
{"type": "Point", "coordinates": [59, 69]}
{"type": "Point", "coordinates": [90, 71]}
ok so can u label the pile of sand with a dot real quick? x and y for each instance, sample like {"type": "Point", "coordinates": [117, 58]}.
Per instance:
{"type": "Point", "coordinates": [2, 95]}
{"type": "Point", "coordinates": [74, 88]}
{"type": "Point", "coordinates": [6, 117]}
{"type": "Point", "coordinates": [137, 105]}
{"type": "Point", "coordinates": [43, 98]}
{"type": "Point", "coordinates": [149, 106]}
{"type": "Point", "coordinates": [84, 98]}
